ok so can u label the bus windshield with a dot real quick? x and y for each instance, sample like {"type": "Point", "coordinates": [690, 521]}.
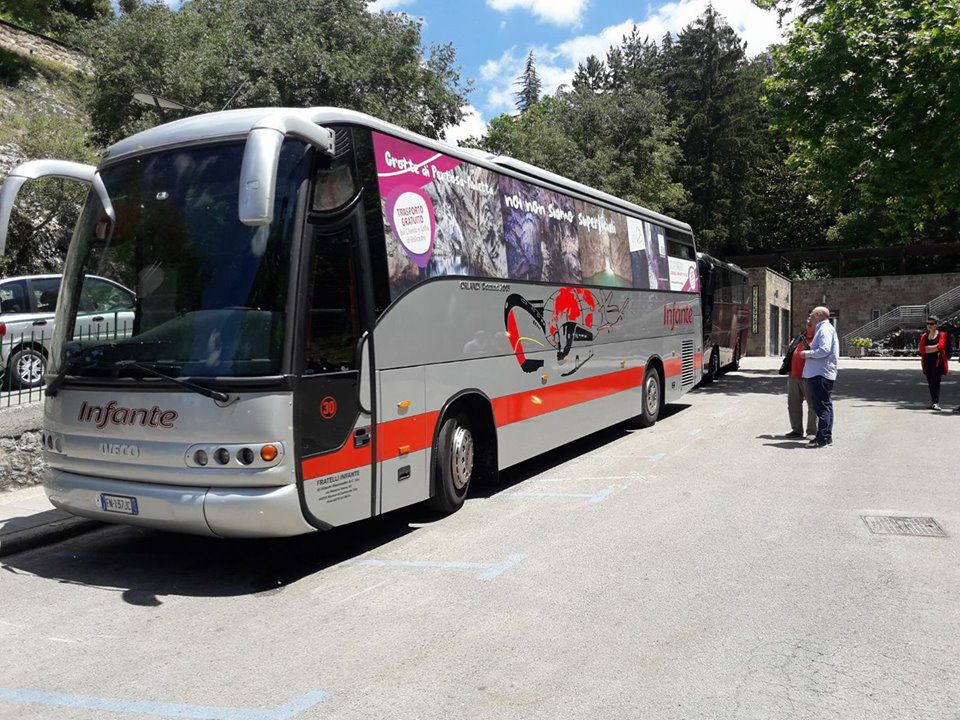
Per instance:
{"type": "Point", "coordinates": [201, 294]}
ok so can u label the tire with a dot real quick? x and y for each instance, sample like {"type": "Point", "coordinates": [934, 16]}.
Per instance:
{"type": "Point", "coordinates": [713, 367]}
{"type": "Point", "coordinates": [735, 365]}
{"type": "Point", "coordinates": [454, 465]}
{"type": "Point", "coordinates": [651, 399]}
{"type": "Point", "coordinates": [26, 368]}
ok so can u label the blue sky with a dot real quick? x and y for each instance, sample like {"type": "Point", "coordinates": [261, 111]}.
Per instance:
{"type": "Point", "coordinates": [493, 37]}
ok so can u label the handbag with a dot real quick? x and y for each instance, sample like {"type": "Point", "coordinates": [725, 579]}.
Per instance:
{"type": "Point", "coordinates": [788, 356]}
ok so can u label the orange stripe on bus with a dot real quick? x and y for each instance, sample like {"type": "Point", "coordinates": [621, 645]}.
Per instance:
{"type": "Point", "coordinates": [415, 433]}
{"type": "Point", "coordinates": [346, 458]}
{"type": "Point", "coordinates": [531, 403]}
{"type": "Point", "coordinates": [405, 435]}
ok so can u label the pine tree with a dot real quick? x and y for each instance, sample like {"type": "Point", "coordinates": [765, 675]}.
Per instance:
{"type": "Point", "coordinates": [529, 85]}
{"type": "Point", "coordinates": [591, 76]}
{"type": "Point", "coordinates": [713, 93]}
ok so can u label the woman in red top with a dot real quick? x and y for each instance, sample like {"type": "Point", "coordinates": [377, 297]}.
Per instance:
{"type": "Point", "coordinates": [933, 358]}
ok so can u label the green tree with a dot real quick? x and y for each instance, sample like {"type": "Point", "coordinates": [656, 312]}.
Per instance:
{"type": "Point", "coordinates": [46, 210]}
{"type": "Point", "coordinates": [297, 53]}
{"type": "Point", "coordinates": [712, 92]}
{"type": "Point", "coordinates": [59, 18]}
{"type": "Point", "coordinates": [591, 75]}
{"type": "Point", "coordinates": [528, 85]}
{"type": "Point", "coordinates": [622, 144]}
{"type": "Point", "coordinates": [868, 94]}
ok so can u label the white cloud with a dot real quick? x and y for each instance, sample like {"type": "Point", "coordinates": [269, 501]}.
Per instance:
{"type": "Point", "coordinates": [472, 125]}
{"type": "Point", "coordinates": [558, 12]}
{"type": "Point", "coordinates": [556, 65]}
{"type": "Point", "coordinates": [378, 5]}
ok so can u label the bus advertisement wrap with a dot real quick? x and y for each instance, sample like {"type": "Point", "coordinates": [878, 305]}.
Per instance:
{"type": "Point", "coordinates": [443, 216]}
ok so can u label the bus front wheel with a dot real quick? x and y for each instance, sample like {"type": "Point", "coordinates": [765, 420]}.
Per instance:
{"type": "Point", "coordinates": [652, 395]}
{"type": "Point", "coordinates": [454, 465]}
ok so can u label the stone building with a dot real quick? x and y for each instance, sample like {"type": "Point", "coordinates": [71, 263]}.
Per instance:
{"type": "Point", "coordinates": [771, 318]}
{"type": "Point", "coordinates": [781, 306]}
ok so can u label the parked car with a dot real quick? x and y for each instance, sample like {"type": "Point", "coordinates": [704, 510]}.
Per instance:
{"type": "Point", "coordinates": [27, 306]}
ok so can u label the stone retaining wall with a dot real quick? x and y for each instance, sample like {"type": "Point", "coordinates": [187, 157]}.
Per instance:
{"type": "Point", "coordinates": [21, 457]}
{"type": "Point", "coordinates": [23, 42]}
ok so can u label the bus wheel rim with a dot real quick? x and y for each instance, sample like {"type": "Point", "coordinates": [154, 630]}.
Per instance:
{"type": "Point", "coordinates": [653, 396]}
{"type": "Point", "coordinates": [461, 457]}
{"type": "Point", "coordinates": [29, 368]}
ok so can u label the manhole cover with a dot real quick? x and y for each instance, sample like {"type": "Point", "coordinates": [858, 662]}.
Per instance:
{"type": "Point", "coordinates": [895, 525]}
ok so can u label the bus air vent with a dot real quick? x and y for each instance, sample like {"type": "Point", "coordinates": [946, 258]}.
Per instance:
{"type": "Point", "coordinates": [686, 359]}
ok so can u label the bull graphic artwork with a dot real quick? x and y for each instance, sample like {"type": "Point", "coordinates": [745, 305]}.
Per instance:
{"type": "Point", "coordinates": [569, 319]}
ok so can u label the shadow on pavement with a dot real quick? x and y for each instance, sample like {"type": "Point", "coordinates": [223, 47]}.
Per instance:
{"type": "Point", "coordinates": [143, 565]}
{"type": "Point", "coordinates": [904, 388]}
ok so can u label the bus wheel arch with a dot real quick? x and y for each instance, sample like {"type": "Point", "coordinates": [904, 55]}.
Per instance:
{"type": "Point", "coordinates": [652, 389]}
{"type": "Point", "coordinates": [464, 449]}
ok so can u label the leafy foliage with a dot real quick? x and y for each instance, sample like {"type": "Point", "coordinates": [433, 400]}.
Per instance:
{"type": "Point", "coordinates": [867, 94]}
{"type": "Point", "coordinates": [253, 53]}
{"type": "Point", "coordinates": [41, 119]}
{"type": "Point", "coordinates": [58, 18]}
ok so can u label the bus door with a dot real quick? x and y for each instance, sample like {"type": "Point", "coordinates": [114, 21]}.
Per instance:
{"type": "Point", "coordinates": [335, 423]}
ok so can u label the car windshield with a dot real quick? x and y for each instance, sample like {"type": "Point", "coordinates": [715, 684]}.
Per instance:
{"type": "Point", "coordinates": [190, 286]}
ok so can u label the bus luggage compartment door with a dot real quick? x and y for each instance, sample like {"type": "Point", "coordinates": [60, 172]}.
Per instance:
{"type": "Point", "coordinates": [405, 438]}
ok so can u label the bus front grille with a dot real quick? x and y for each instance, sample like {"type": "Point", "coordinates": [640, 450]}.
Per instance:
{"type": "Point", "coordinates": [686, 357]}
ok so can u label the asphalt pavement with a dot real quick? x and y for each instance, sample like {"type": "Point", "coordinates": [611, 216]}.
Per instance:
{"type": "Point", "coordinates": [703, 568]}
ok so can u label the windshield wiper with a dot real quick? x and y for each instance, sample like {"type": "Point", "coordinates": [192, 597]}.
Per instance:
{"type": "Point", "coordinates": [206, 392]}
{"type": "Point", "coordinates": [82, 354]}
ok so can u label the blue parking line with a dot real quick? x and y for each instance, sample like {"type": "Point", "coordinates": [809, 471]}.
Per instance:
{"type": "Point", "coordinates": [160, 709]}
{"type": "Point", "coordinates": [590, 497]}
{"type": "Point", "coordinates": [491, 570]}
{"type": "Point", "coordinates": [656, 458]}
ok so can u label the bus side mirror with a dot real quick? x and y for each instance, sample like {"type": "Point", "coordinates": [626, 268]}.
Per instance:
{"type": "Point", "coordinates": [261, 155]}
{"type": "Point", "coordinates": [363, 367]}
{"type": "Point", "coordinates": [36, 169]}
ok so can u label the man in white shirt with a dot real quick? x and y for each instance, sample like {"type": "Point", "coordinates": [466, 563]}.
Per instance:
{"type": "Point", "coordinates": [820, 371]}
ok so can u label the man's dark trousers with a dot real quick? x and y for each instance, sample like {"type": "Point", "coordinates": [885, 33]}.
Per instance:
{"type": "Point", "coordinates": [820, 391]}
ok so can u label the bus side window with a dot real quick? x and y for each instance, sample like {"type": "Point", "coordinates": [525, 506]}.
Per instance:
{"type": "Point", "coordinates": [333, 318]}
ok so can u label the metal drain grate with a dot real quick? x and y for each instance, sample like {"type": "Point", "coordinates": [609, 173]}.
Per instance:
{"type": "Point", "coordinates": [895, 525]}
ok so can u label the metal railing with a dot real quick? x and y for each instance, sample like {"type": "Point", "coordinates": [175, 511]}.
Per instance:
{"type": "Point", "coordinates": [23, 357]}
{"type": "Point", "coordinates": [906, 317]}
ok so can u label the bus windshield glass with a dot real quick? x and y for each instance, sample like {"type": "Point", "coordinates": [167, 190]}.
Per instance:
{"type": "Point", "coordinates": [195, 292]}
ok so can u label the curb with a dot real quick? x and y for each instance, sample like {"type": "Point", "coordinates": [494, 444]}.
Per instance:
{"type": "Point", "coordinates": [30, 538]}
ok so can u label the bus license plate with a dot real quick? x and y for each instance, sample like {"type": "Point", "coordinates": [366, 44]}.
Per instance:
{"type": "Point", "coordinates": [119, 504]}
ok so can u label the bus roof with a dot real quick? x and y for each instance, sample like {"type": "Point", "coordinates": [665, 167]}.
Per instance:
{"type": "Point", "coordinates": [721, 263]}
{"type": "Point", "coordinates": [238, 123]}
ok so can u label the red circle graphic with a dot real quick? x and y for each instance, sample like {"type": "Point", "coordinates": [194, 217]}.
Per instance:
{"type": "Point", "coordinates": [328, 407]}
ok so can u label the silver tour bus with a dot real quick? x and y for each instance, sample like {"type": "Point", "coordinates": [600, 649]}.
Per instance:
{"type": "Point", "coordinates": [335, 318]}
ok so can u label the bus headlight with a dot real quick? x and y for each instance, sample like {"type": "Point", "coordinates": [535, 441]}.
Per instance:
{"type": "Point", "coordinates": [237, 457]}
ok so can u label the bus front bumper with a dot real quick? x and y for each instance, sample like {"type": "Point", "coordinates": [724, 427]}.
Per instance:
{"type": "Point", "coordinates": [219, 512]}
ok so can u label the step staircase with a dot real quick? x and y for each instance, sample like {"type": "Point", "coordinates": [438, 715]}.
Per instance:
{"type": "Point", "coordinates": [907, 317]}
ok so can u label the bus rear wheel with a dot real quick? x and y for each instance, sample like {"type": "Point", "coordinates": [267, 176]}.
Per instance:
{"type": "Point", "coordinates": [713, 366]}
{"type": "Point", "coordinates": [455, 461]}
{"type": "Point", "coordinates": [652, 394]}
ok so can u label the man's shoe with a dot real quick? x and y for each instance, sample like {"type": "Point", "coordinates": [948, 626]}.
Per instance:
{"type": "Point", "coordinates": [935, 406]}
{"type": "Point", "coordinates": [817, 444]}
{"type": "Point", "coordinates": [794, 434]}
